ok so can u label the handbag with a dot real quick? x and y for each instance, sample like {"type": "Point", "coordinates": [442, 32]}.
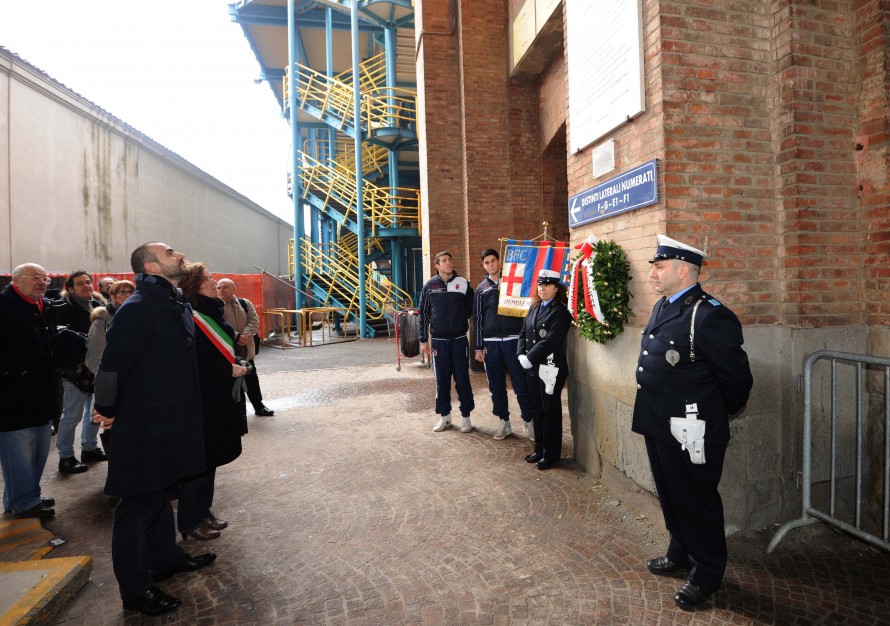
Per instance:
{"type": "Point", "coordinates": [690, 432]}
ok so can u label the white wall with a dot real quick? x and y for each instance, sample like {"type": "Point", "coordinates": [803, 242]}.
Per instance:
{"type": "Point", "coordinates": [79, 188]}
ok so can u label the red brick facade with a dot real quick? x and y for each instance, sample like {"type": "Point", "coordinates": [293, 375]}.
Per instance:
{"type": "Point", "coordinates": [769, 120]}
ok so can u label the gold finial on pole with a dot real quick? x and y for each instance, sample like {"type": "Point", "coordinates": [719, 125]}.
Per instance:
{"type": "Point", "coordinates": [546, 224]}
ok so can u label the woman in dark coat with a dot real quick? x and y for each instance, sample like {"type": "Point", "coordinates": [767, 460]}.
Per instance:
{"type": "Point", "coordinates": [218, 372]}
{"type": "Point", "coordinates": [543, 343]}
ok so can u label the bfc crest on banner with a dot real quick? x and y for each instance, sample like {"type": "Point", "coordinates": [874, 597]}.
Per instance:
{"type": "Point", "coordinates": [522, 262]}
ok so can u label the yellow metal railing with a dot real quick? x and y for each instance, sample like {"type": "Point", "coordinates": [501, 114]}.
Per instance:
{"type": "Point", "coordinates": [335, 267]}
{"type": "Point", "coordinates": [381, 106]}
{"type": "Point", "coordinates": [374, 157]}
{"type": "Point", "coordinates": [372, 71]}
{"type": "Point", "coordinates": [349, 240]}
{"type": "Point", "coordinates": [384, 207]}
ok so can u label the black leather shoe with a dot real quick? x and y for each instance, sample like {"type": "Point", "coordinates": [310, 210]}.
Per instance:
{"type": "Point", "coordinates": [663, 566]}
{"type": "Point", "coordinates": [70, 465]}
{"type": "Point", "coordinates": [544, 465]}
{"type": "Point", "coordinates": [533, 458]}
{"type": "Point", "coordinates": [187, 564]}
{"type": "Point", "coordinates": [92, 456]}
{"type": "Point", "coordinates": [264, 411]}
{"type": "Point", "coordinates": [152, 602]}
{"type": "Point", "coordinates": [48, 502]}
{"type": "Point", "coordinates": [690, 596]}
{"type": "Point", "coordinates": [39, 511]}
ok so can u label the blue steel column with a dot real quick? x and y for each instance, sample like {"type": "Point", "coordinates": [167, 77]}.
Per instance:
{"type": "Point", "coordinates": [390, 47]}
{"type": "Point", "coordinates": [328, 230]}
{"type": "Point", "coordinates": [292, 57]}
{"type": "Point", "coordinates": [312, 147]}
{"type": "Point", "coordinates": [359, 180]}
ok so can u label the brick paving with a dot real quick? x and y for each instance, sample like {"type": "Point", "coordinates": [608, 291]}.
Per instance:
{"type": "Point", "coordinates": [345, 508]}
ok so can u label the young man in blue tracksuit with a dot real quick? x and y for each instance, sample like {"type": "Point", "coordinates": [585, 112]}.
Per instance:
{"type": "Point", "coordinates": [446, 304]}
{"type": "Point", "coordinates": [496, 337]}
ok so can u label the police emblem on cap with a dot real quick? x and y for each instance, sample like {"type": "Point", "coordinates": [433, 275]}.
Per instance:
{"type": "Point", "coordinates": [672, 249]}
{"type": "Point", "coordinates": [548, 277]}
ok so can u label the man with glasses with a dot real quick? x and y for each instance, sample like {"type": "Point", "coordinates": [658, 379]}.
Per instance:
{"type": "Point", "coordinates": [105, 286]}
{"type": "Point", "coordinates": [72, 310]}
{"type": "Point", "coordinates": [28, 387]}
{"type": "Point", "coordinates": [242, 316]}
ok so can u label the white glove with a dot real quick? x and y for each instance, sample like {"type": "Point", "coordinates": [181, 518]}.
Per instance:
{"type": "Point", "coordinates": [524, 362]}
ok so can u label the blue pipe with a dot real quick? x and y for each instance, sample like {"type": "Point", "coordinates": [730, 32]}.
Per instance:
{"type": "Point", "coordinates": [359, 180]}
{"type": "Point", "coordinates": [292, 57]}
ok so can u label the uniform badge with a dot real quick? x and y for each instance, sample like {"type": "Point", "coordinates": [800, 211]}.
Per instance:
{"type": "Point", "coordinates": [542, 333]}
{"type": "Point", "coordinates": [672, 357]}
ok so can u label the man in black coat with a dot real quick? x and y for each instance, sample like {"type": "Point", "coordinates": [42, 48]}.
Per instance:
{"type": "Point", "coordinates": [72, 310]}
{"type": "Point", "coordinates": [28, 387]}
{"type": "Point", "coordinates": [147, 389]}
{"type": "Point", "coordinates": [691, 364]}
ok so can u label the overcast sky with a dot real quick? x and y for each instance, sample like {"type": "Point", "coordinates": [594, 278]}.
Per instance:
{"type": "Point", "coordinates": [179, 71]}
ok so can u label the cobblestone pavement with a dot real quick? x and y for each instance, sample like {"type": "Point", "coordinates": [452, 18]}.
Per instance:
{"type": "Point", "coordinates": [345, 508]}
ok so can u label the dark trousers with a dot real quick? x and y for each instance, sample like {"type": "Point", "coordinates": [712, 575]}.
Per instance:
{"type": "Point", "coordinates": [143, 540]}
{"type": "Point", "coordinates": [195, 501]}
{"type": "Point", "coordinates": [451, 358]}
{"type": "Point", "coordinates": [500, 358]}
{"type": "Point", "coordinates": [547, 416]}
{"type": "Point", "coordinates": [692, 509]}
{"type": "Point", "coordinates": [252, 382]}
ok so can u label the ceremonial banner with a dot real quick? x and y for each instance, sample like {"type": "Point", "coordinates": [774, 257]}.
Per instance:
{"type": "Point", "coordinates": [519, 274]}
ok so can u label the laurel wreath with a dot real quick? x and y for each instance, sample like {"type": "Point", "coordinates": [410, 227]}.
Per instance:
{"type": "Point", "coordinates": [611, 275]}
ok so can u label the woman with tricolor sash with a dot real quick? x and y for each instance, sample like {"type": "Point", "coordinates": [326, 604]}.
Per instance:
{"type": "Point", "coordinates": [219, 371]}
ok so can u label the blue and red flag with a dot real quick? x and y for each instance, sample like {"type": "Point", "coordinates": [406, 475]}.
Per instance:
{"type": "Point", "coordinates": [522, 262]}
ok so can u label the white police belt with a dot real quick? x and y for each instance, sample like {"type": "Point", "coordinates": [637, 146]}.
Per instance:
{"type": "Point", "coordinates": [690, 432]}
{"type": "Point", "coordinates": [547, 372]}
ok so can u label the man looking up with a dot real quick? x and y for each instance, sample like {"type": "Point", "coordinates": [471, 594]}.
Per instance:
{"type": "Point", "coordinates": [496, 337]}
{"type": "Point", "coordinates": [446, 304]}
{"type": "Point", "coordinates": [147, 389]}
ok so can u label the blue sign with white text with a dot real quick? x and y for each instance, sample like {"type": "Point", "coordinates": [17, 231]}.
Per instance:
{"type": "Point", "coordinates": [631, 190]}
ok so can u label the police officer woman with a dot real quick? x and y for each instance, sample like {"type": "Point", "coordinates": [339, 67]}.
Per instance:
{"type": "Point", "coordinates": [542, 352]}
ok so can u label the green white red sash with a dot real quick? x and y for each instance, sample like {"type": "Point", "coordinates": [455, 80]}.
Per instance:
{"type": "Point", "coordinates": [217, 336]}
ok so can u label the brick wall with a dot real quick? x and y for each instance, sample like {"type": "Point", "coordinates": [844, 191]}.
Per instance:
{"type": "Point", "coordinates": [871, 64]}
{"type": "Point", "coordinates": [553, 100]}
{"type": "Point", "coordinates": [819, 223]}
{"type": "Point", "coordinates": [439, 122]}
{"type": "Point", "coordinates": [480, 156]}
{"type": "Point", "coordinates": [485, 126]}
{"type": "Point", "coordinates": [718, 147]}
{"type": "Point", "coordinates": [769, 123]}
{"type": "Point", "coordinates": [528, 195]}
{"type": "Point", "coordinates": [636, 142]}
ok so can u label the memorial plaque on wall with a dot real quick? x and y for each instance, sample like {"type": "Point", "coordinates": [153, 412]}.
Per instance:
{"type": "Point", "coordinates": [605, 58]}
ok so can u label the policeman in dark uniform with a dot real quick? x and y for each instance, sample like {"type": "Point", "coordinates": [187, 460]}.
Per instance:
{"type": "Point", "coordinates": [691, 360]}
{"type": "Point", "coordinates": [542, 353]}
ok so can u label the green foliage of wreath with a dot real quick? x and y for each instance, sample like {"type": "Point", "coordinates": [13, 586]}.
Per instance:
{"type": "Point", "coordinates": [611, 275]}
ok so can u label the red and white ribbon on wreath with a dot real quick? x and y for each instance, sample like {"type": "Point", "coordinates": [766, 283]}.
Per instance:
{"type": "Point", "coordinates": [581, 265]}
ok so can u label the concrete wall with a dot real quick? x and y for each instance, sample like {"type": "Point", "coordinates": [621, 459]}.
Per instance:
{"type": "Point", "coordinates": [79, 188]}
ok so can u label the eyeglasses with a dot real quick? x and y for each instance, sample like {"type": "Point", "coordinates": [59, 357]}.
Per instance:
{"type": "Point", "coordinates": [43, 279]}
{"type": "Point", "coordinates": [125, 292]}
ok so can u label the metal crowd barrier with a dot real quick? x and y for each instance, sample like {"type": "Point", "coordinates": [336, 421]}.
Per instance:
{"type": "Point", "coordinates": [811, 514]}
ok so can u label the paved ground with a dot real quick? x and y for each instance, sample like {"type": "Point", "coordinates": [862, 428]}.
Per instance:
{"type": "Point", "coordinates": [346, 509]}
